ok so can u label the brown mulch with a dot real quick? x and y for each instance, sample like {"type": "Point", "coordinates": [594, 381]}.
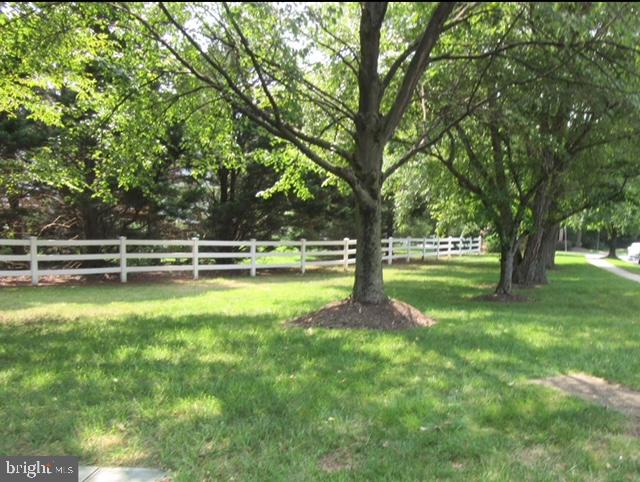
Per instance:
{"type": "Point", "coordinates": [393, 315]}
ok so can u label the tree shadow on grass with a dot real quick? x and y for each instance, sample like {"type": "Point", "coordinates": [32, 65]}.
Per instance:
{"type": "Point", "coordinates": [212, 396]}
{"type": "Point", "coordinates": [16, 299]}
{"type": "Point", "coordinates": [23, 297]}
{"type": "Point", "coordinates": [19, 298]}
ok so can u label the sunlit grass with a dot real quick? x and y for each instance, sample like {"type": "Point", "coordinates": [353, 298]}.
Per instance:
{"type": "Point", "coordinates": [626, 265]}
{"type": "Point", "coordinates": [200, 378]}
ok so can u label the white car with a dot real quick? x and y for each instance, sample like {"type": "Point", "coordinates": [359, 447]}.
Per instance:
{"type": "Point", "coordinates": [634, 252]}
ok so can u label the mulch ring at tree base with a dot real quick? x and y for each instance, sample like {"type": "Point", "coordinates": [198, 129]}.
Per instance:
{"type": "Point", "coordinates": [393, 315]}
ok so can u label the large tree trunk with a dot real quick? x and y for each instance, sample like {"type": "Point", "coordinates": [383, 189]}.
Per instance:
{"type": "Point", "coordinates": [539, 255]}
{"type": "Point", "coordinates": [368, 286]}
{"type": "Point", "coordinates": [544, 258]}
{"type": "Point", "coordinates": [531, 270]}
{"type": "Point", "coordinates": [507, 254]}
{"type": "Point", "coordinates": [517, 262]}
{"type": "Point", "coordinates": [612, 241]}
{"type": "Point", "coordinates": [373, 132]}
{"type": "Point", "coordinates": [549, 243]}
{"type": "Point", "coordinates": [527, 272]}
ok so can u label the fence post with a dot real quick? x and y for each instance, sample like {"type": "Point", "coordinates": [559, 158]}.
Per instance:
{"type": "Point", "coordinates": [407, 243]}
{"type": "Point", "coordinates": [345, 254]}
{"type": "Point", "coordinates": [479, 244]}
{"type": "Point", "coordinates": [253, 256]}
{"type": "Point", "coordinates": [461, 246]}
{"type": "Point", "coordinates": [424, 247]}
{"type": "Point", "coordinates": [437, 247]}
{"type": "Point", "coordinates": [194, 254]}
{"type": "Point", "coordinates": [303, 255]}
{"type": "Point", "coordinates": [123, 259]}
{"type": "Point", "coordinates": [449, 246]}
{"type": "Point", "coordinates": [390, 260]}
{"type": "Point", "coordinates": [33, 256]}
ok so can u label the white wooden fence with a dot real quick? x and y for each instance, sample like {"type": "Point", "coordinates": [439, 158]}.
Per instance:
{"type": "Point", "coordinates": [123, 256]}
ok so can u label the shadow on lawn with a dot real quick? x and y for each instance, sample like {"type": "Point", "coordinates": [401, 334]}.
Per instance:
{"type": "Point", "coordinates": [213, 396]}
{"type": "Point", "coordinates": [192, 392]}
{"type": "Point", "coordinates": [19, 298]}
{"type": "Point", "coordinates": [23, 297]}
{"type": "Point", "coordinates": [122, 383]}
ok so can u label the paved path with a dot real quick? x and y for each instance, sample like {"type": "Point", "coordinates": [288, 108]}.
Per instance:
{"type": "Point", "coordinates": [88, 473]}
{"type": "Point", "coordinates": [596, 260]}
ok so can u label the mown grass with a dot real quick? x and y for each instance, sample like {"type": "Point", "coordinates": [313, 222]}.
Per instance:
{"type": "Point", "coordinates": [626, 265]}
{"type": "Point", "coordinates": [200, 378]}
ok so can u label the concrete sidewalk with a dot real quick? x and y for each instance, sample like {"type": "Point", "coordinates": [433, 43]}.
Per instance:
{"type": "Point", "coordinates": [600, 262]}
{"type": "Point", "coordinates": [89, 473]}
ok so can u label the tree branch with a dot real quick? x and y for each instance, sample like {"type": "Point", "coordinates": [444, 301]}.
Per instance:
{"type": "Point", "coordinates": [416, 68]}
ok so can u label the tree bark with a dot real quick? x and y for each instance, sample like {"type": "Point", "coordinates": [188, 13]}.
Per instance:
{"type": "Point", "coordinates": [531, 270]}
{"type": "Point", "coordinates": [612, 241]}
{"type": "Point", "coordinates": [527, 271]}
{"type": "Point", "coordinates": [549, 243]}
{"type": "Point", "coordinates": [367, 161]}
{"type": "Point", "coordinates": [368, 286]}
{"type": "Point", "coordinates": [505, 285]}
{"type": "Point", "coordinates": [539, 256]}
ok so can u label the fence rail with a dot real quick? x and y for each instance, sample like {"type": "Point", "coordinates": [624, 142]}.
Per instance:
{"type": "Point", "coordinates": [129, 255]}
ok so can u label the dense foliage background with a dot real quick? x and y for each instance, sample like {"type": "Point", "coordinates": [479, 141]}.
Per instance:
{"type": "Point", "coordinates": [266, 120]}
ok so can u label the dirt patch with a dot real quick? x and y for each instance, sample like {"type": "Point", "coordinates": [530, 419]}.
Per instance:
{"type": "Point", "coordinates": [501, 298]}
{"type": "Point", "coordinates": [336, 461]}
{"type": "Point", "coordinates": [393, 315]}
{"type": "Point", "coordinates": [598, 390]}
{"type": "Point", "coordinates": [531, 456]}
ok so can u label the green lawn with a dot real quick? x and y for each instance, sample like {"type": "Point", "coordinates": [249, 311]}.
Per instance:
{"type": "Point", "coordinates": [632, 267]}
{"type": "Point", "coordinates": [200, 378]}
